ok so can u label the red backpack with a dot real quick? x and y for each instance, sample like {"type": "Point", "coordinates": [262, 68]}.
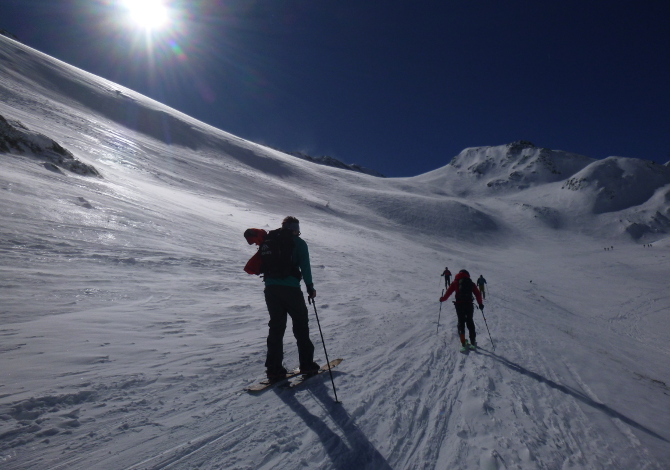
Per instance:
{"type": "Point", "coordinates": [254, 236]}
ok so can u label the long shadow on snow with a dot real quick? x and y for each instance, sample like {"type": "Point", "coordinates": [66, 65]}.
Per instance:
{"type": "Point", "coordinates": [355, 451]}
{"type": "Point", "coordinates": [570, 391]}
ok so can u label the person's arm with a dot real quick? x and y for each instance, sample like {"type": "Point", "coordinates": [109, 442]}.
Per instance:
{"type": "Point", "coordinates": [304, 265]}
{"type": "Point", "coordinates": [452, 288]}
{"type": "Point", "coordinates": [478, 296]}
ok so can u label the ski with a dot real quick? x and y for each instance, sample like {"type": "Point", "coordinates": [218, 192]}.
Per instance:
{"type": "Point", "coordinates": [263, 384]}
{"type": "Point", "coordinates": [300, 380]}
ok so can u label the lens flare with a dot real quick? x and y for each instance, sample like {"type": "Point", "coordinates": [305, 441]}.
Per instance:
{"type": "Point", "coordinates": [177, 51]}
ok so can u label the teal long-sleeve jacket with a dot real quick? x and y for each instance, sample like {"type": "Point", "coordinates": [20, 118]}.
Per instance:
{"type": "Point", "coordinates": [301, 259]}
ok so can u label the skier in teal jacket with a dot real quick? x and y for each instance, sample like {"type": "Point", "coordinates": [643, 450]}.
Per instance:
{"type": "Point", "coordinates": [481, 284]}
{"type": "Point", "coordinates": [284, 297]}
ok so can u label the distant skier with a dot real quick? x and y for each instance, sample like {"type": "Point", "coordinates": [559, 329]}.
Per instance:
{"type": "Point", "coordinates": [464, 289]}
{"type": "Point", "coordinates": [481, 284]}
{"type": "Point", "coordinates": [285, 260]}
{"type": "Point", "coordinates": [447, 277]}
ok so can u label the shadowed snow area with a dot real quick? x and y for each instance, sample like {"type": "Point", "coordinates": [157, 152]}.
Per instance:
{"type": "Point", "coordinates": [129, 329]}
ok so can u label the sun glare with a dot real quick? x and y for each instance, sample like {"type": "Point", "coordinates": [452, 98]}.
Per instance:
{"type": "Point", "coordinates": [148, 14]}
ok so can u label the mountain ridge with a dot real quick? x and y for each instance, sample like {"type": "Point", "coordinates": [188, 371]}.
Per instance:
{"type": "Point", "coordinates": [561, 190]}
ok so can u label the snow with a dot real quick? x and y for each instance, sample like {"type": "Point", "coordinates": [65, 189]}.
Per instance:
{"type": "Point", "coordinates": [129, 329]}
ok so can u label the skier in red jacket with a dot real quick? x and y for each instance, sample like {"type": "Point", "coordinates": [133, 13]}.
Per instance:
{"type": "Point", "coordinates": [464, 289]}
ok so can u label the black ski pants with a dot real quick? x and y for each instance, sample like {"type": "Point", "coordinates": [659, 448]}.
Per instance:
{"type": "Point", "coordinates": [465, 313]}
{"type": "Point", "coordinates": [283, 301]}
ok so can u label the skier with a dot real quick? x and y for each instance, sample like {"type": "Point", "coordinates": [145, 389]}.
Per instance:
{"type": "Point", "coordinates": [447, 277]}
{"type": "Point", "coordinates": [481, 284]}
{"type": "Point", "coordinates": [464, 288]}
{"type": "Point", "coordinates": [283, 296]}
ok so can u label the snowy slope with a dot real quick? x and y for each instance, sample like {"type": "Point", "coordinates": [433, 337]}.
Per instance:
{"type": "Point", "coordinates": [129, 329]}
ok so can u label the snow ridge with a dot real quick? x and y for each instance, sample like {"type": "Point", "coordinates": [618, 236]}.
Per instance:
{"type": "Point", "coordinates": [619, 183]}
{"type": "Point", "coordinates": [335, 163]}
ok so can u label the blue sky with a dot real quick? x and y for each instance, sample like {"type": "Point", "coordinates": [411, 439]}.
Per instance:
{"type": "Point", "coordinates": [397, 86]}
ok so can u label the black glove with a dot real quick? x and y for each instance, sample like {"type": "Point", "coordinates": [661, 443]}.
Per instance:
{"type": "Point", "coordinates": [311, 292]}
{"type": "Point", "coordinates": [481, 307]}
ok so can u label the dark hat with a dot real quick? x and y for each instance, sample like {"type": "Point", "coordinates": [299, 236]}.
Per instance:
{"type": "Point", "coordinates": [291, 226]}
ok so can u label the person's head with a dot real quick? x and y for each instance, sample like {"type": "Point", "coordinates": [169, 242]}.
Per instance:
{"type": "Point", "coordinates": [464, 271]}
{"type": "Point", "coordinates": [291, 223]}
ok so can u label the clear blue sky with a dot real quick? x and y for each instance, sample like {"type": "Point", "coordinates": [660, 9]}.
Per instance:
{"type": "Point", "coordinates": [397, 86]}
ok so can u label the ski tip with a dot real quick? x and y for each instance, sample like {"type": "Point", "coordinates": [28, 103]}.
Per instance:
{"type": "Point", "coordinates": [332, 363]}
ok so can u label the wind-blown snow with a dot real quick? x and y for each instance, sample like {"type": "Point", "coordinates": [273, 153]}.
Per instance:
{"type": "Point", "coordinates": [129, 329]}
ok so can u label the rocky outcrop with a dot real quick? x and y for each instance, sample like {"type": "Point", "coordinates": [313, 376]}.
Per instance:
{"type": "Point", "coordinates": [15, 138]}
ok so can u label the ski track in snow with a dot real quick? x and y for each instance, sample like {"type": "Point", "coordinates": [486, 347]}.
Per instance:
{"type": "Point", "coordinates": [130, 330]}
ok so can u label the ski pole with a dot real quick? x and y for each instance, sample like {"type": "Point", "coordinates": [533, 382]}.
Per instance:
{"type": "Point", "coordinates": [487, 329]}
{"type": "Point", "coordinates": [439, 315]}
{"type": "Point", "coordinates": [313, 302]}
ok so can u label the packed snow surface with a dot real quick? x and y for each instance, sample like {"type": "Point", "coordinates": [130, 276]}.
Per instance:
{"type": "Point", "coordinates": [129, 329]}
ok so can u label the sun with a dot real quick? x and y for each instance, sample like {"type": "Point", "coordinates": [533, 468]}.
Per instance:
{"type": "Point", "coordinates": [148, 14]}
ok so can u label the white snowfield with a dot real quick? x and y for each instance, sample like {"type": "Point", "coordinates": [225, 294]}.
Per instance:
{"type": "Point", "coordinates": [129, 330]}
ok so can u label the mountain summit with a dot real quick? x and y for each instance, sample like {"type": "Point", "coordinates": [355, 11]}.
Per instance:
{"type": "Point", "coordinates": [610, 197]}
{"type": "Point", "coordinates": [504, 168]}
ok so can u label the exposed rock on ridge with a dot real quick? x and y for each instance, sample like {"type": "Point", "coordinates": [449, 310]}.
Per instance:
{"type": "Point", "coordinates": [16, 138]}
